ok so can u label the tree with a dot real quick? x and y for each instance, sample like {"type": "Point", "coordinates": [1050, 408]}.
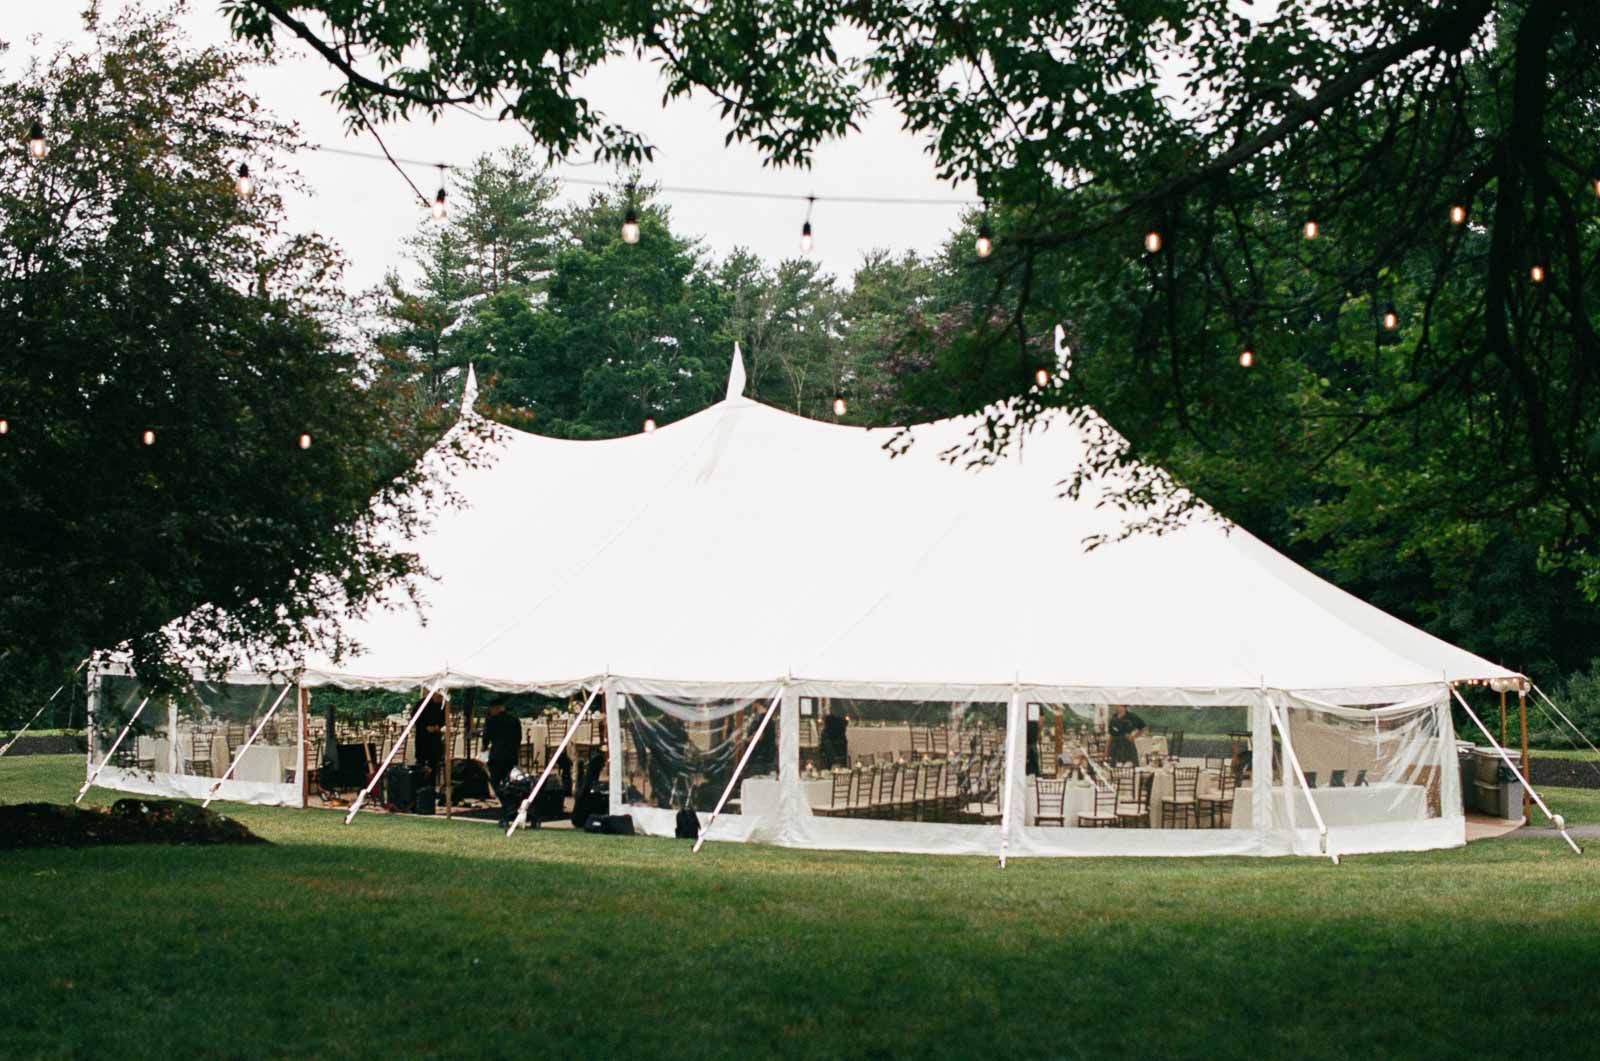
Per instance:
{"type": "Point", "coordinates": [193, 453]}
{"type": "Point", "coordinates": [1092, 125]}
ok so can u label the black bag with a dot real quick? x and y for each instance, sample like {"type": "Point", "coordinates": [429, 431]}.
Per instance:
{"type": "Point", "coordinates": [469, 779]}
{"type": "Point", "coordinates": [609, 824]}
{"type": "Point", "coordinates": [400, 788]}
{"type": "Point", "coordinates": [424, 800]}
{"type": "Point", "coordinates": [688, 827]}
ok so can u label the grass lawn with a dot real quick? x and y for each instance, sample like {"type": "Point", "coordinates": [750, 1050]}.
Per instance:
{"type": "Point", "coordinates": [408, 937]}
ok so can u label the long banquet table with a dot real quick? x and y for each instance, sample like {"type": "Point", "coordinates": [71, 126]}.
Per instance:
{"type": "Point", "coordinates": [1366, 805]}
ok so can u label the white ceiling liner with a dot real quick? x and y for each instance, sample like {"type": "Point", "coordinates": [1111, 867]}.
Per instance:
{"type": "Point", "coordinates": [743, 546]}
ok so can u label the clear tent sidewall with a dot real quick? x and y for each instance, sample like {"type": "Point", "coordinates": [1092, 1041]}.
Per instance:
{"type": "Point", "coordinates": [1403, 730]}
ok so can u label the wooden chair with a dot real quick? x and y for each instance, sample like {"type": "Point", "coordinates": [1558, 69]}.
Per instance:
{"type": "Point", "coordinates": [197, 763]}
{"type": "Point", "coordinates": [1175, 743]}
{"type": "Point", "coordinates": [1104, 815]}
{"type": "Point", "coordinates": [1133, 798]}
{"type": "Point", "coordinates": [1311, 778]}
{"type": "Point", "coordinates": [1052, 796]}
{"type": "Point", "coordinates": [884, 795]}
{"type": "Point", "coordinates": [866, 780]}
{"type": "Point", "coordinates": [839, 798]}
{"type": "Point", "coordinates": [1182, 804]}
{"type": "Point", "coordinates": [921, 742]}
{"type": "Point", "coordinates": [939, 741]}
{"type": "Point", "coordinates": [1217, 804]}
{"type": "Point", "coordinates": [930, 784]}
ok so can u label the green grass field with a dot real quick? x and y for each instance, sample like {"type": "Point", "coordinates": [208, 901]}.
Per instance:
{"type": "Point", "coordinates": [397, 937]}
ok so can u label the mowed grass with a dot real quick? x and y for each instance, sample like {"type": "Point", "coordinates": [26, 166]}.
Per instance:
{"type": "Point", "coordinates": [402, 937]}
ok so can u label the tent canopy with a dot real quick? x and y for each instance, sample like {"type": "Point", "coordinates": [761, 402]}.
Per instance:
{"type": "Point", "coordinates": [743, 546]}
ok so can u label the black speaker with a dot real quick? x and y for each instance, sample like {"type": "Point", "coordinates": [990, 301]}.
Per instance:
{"type": "Point", "coordinates": [399, 788]}
{"type": "Point", "coordinates": [424, 800]}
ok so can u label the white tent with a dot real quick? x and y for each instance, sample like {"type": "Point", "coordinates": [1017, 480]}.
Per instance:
{"type": "Point", "coordinates": [744, 556]}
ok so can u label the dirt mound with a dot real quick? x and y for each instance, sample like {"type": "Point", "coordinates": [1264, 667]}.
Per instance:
{"type": "Point", "coordinates": [129, 821]}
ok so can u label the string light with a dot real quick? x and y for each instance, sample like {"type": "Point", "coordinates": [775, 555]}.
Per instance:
{"type": "Point", "coordinates": [1458, 214]}
{"type": "Point", "coordinates": [5, 426]}
{"type": "Point", "coordinates": [1391, 319]}
{"type": "Point", "coordinates": [1247, 357]}
{"type": "Point", "coordinates": [1041, 376]}
{"type": "Point", "coordinates": [1310, 229]}
{"type": "Point", "coordinates": [36, 144]}
{"type": "Point", "coordinates": [1594, 179]}
{"type": "Point", "coordinates": [244, 182]}
{"type": "Point", "coordinates": [984, 245]}
{"type": "Point", "coordinates": [1152, 241]}
{"type": "Point", "coordinates": [439, 208]}
{"type": "Point", "coordinates": [1536, 274]}
{"type": "Point", "coordinates": [149, 437]}
{"type": "Point", "coordinates": [630, 220]}
{"type": "Point", "coordinates": [839, 406]}
{"type": "Point", "coordinates": [649, 425]}
{"type": "Point", "coordinates": [806, 242]}
{"type": "Point", "coordinates": [305, 440]}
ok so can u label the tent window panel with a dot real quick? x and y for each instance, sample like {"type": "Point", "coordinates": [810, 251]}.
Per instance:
{"type": "Point", "coordinates": [1135, 766]}
{"type": "Point", "coordinates": [682, 753]}
{"type": "Point", "coordinates": [1367, 768]}
{"type": "Point", "coordinates": [146, 748]}
{"type": "Point", "coordinates": [215, 721]}
{"type": "Point", "coordinates": [897, 760]}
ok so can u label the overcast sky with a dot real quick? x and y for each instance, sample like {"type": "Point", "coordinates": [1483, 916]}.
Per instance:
{"type": "Point", "coordinates": [367, 208]}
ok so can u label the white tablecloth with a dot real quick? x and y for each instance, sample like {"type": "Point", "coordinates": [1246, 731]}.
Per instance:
{"type": "Point", "coordinates": [1079, 800]}
{"type": "Point", "coordinates": [759, 795]}
{"type": "Point", "coordinates": [870, 740]}
{"type": "Point", "coordinates": [1367, 805]}
{"type": "Point", "coordinates": [1161, 788]}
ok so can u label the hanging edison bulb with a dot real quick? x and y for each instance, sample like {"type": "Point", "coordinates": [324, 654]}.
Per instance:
{"type": "Point", "coordinates": [439, 208]}
{"type": "Point", "coordinates": [244, 183]}
{"type": "Point", "coordinates": [649, 425]}
{"type": "Point", "coordinates": [1310, 230]}
{"type": "Point", "coordinates": [1152, 241]}
{"type": "Point", "coordinates": [1247, 357]}
{"type": "Point", "coordinates": [36, 145]}
{"type": "Point", "coordinates": [5, 426]}
{"type": "Point", "coordinates": [1458, 214]}
{"type": "Point", "coordinates": [149, 437]}
{"type": "Point", "coordinates": [1536, 274]}
{"type": "Point", "coordinates": [806, 240]}
{"type": "Point", "coordinates": [1041, 376]}
{"type": "Point", "coordinates": [305, 440]}
{"type": "Point", "coordinates": [630, 226]}
{"type": "Point", "coordinates": [839, 406]}
{"type": "Point", "coordinates": [984, 245]}
{"type": "Point", "coordinates": [1391, 318]}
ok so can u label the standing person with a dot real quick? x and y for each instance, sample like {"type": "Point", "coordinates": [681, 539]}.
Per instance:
{"type": "Point", "coordinates": [503, 735]}
{"type": "Point", "coordinates": [430, 737]}
{"type": "Point", "coordinates": [1124, 728]}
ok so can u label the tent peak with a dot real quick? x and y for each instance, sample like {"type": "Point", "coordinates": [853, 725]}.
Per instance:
{"type": "Point", "coordinates": [469, 392]}
{"type": "Point", "coordinates": [736, 377]}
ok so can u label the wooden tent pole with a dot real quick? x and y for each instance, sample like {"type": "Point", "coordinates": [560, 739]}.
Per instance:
{"type": "Point", "coordinates": [1502, 718]}
{"type": "Point", "coordinates": [305, 742]}
{"type": "Point", "coordinates": [449, 760]}
{"type": "Point", "coordinates": [1527, 767]}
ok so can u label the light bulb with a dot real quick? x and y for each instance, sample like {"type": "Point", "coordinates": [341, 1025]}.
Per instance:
{"type": "Point", "coordinates": [305, 441]}
{"type": "Point", "coordinates": [985, 242]}
{"type": "Point", "coordinates": [5, 426]}
{"type": "Point", "coordinates": [1458, 214]}
{"type": "Point", "coordinates": [839, 405]}
{"type": "Point", "coordinates": [1536, 274]}
{"type": "Point", "coordinates": [149, 437]}
{"type": "Point", "coordinates": [649, 425]}
{"type": "Point", "coordinates": [630, 226]}
{"type": "Point", "coordinates": [36, 145]}
{"type": "Point", "coordinates": [439, 209]}
{"type": "Point", "coordinates": [1310, 231]}
{"type": "Point", "coordinates": [1152, 241]}
{"type": "Point", "coordinates": [1042, 377]}
{"type": "Point", "coordinates": [245, 183]}
{"type": "Point", "coordinates": [1247, 358]}
{"type": "Point", "coordinates": [1391, 320]}
{"type": "Point", "coordinates": [1595, 184]}
{"type": "Point", "coordinates": [806, 242]}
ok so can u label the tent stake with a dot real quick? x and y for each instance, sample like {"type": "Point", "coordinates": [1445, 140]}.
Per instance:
{"type": "Point", "coordinates": [245, 746]}
{"type": "Point", "coordinates": [1527, 790]}
{"type": "Point", "coordinates": [387, 759]}
{"type": "Point", "coordinates": [550, 763]}
{"type": "Point", "coordinates": [749, 749]}
{"type": "Point", "coordinates": [87, 785]}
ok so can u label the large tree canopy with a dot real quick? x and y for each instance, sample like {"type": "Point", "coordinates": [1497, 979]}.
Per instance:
{"type": "Point", "coordinates": [1220, 128]}
{"type": "Point", "coordinates": [140, 293]}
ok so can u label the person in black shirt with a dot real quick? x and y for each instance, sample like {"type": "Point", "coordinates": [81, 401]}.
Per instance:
{"type": "Point", "coordinates": [503, 735]}
{"type": "Point", "coordinates": [430, 737]}
{"type": "Point", "coordinates": [1124, 728]}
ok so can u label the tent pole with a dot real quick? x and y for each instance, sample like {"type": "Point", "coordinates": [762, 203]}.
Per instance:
{"type": "Point", "coordinates": [211, 795]}
{"type": "Point", "coordinates": [39, 712]}
{"type": "Point", "coordinates": [749, 749]}
{"type": "Point", "coordinates": [1503, 718]}
{"type": "Point", "coordinates": [1527, 764]}
{"type": "Point", "coordinates": [304, 699]}
{"type": "Point", "coordinates": [387, 759]}
{"type": "Point", "coordinates": [552, 759]}
{"type": "Point", "coordinates": [114, 746]}
{"type": "Point", "coordinates": [449, 761]}
{"type": "Point", "coordinates": [1555, 819]}
{"type": "Point", "coordinates": [1294, 761]}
